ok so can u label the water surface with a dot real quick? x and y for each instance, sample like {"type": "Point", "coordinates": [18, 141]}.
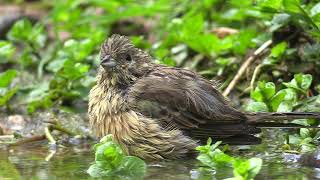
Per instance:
{"type": "Point", "coordinates": [37, 161]}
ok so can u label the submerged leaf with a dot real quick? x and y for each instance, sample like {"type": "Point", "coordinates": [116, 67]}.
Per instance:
{"type": "Point", "coordinates": [214, 158]}
{"type": "Point", "coordinates": [96, 171]}
{"type": "Point", "coordinates": [133, 167]}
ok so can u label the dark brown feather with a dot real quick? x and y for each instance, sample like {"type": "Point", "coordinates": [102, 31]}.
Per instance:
{"type": "Point", "coordinates": [182, 98]}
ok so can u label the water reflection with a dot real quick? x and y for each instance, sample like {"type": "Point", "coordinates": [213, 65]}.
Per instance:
{"type": "Point", "coordinates": [29, 162]}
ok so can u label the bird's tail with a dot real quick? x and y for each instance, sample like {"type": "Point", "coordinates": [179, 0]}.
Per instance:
{"type": "Point", "coordinates": [280, 120]}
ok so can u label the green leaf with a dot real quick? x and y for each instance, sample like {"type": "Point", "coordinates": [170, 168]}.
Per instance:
{"type": "Point", "coordinates": [78, 50]}
{"type": "Point", "coordinates": [257, 95]}
{"type": "Point", "coordinates": [71, 55]}
{"type": "Point", "coordinates": [207, 44]}
{"type": "Point", "coordinates": [223, 61]}
{"type": "Point", "coordinates": [206, 160]}
{"type": "Point", "coordinates": [257, 107]}
{"type": "Point", "coordinates": [306, 144]}
{"type": "Point", "coordinates": [21, 30]}
{"type": "Point", "coordinates": [56, 65]}
{"type": "Point", "coordinates": [315, 10]}
{"type": "Point", "coordinates": [97, 171]}
{"type": "Point", "coordinates": [109, 153]}
{"type": "Point", "coordinates": [311, 53]}
{"type": "Point", "coordinates": [37, 37]}
{"type": "Point", "coordinates": [39, 97]}
{"type": "Point", "coordinates": [111, 161]}
{"type": "Point", "coordinates": [277, 99]}
{"type": "Point", "coordinates": [192, 24]}
{"type": "Point", "coordinates": [6, 51]}
{"type": "Point", "coordinates": [209, 141]}
{"type": "Point", "coordinates": [107, 138]}
{"type": "Point", "coordinates": [73, 71]}
{"type": "Point", "coordinates": [302, 122]}
{"type": "Point", "coordinates": [255, 167]}
{"type": "Point", "coordinates": [291, 95]}
{"type": "Point", "coordinates": [37, 92]}
{"type": "Point", "coordinates": [36, 104]}
{"type": "Point", "coordinates": [247, 169]}
{"type": "Point", "coordinates": [292, 85]}
{"type": "Point", "coordinates": [294, 139]}
{"type": "Point", "coordinates": [285, 106]}
{"type": "Point", "coordinates": [6, 77]}
{"type": "Point", "coordinates": [213, 157]}
{"type": "Point", "coordinates": [241, 168]}
{"type": "Point", "coordinates": [278, 50]}
{"type": "Point", "coordinates": [311, 104]}
{"type": "Point", "coordinates": [220, 158]}
{"type": "Point", "coordinates": [304, 133]}
{"type": "Point", "coordinates": [27, 58]}
{"type": "Point", "coordinates": [268, 89]}
{"type": "Point", "coordinates": [303, 80]}
{"type": "Point", "coordinates": [316, 20]}
{"type": "Point", "coordinates": [270, 5]}
{"type": "Point", "coordinates": [215, 146]}
{"type": "Point", "coordinates": [307, 147]}
{"type": "Point", "coordinates": [292, 6]}
{"type": "Point", "coordinates": [8, 94]}
{"type": "Point", "coordinates": [243, 41]}
{"type": "Point", "coordinates": [263, 92]}
{"type": "Point", "coordinates": [279, 20]}
{"type": "Point", "coordinates": [133, 167]}
{"type": "Point", "coordinates": [290, 99]}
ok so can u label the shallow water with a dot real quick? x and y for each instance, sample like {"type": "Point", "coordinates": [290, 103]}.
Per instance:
{"type": "Point", "coordinates": [37, 161]}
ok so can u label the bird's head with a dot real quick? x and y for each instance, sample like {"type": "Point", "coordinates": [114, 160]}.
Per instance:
{"type": "Point", "coordinates": [120, 58]}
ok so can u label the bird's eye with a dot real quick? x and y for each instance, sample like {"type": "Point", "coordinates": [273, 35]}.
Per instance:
{"type": "Point", "coordinates": [128, 57]}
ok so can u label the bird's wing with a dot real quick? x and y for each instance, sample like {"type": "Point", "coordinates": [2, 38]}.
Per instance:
{"type": "Point", "coordinates": [180, 98]}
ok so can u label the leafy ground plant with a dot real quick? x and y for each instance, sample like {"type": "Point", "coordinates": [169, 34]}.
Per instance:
{"type": "Point", "coordinates": [111, 162]}
{"type": "Point", "coordinates": [6, 92]}
{"type": "Point", "coordinates": [268, 100]}
{"type": "Point", "coordinates": [293, 97]}
{"type": "Point", "coordinates": [212, 157]}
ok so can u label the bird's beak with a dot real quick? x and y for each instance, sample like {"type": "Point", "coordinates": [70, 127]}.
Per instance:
{"type": "Point", "coordinates": [108, 62]}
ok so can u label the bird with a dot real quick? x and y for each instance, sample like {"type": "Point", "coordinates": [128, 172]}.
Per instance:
{"type": "Point", "coordinates": [158, 112]}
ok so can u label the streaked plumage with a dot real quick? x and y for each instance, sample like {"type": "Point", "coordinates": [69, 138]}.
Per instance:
{"type": "Point", "coordinates": [160, 112]}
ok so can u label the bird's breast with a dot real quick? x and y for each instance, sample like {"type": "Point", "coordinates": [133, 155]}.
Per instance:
{"type": "Point", "coordinates": [106, 100]}
{"type": "Point", "coordinates": [108, 113]}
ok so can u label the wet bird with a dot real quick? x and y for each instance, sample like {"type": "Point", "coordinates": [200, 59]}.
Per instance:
{"type": "Point", "coordinates": [159, 112]}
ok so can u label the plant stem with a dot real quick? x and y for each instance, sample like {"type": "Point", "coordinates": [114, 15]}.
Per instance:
{"type": "Point", "coordinates": [49, 136]}
{"type": "Point", "coordinates": [245, 65]}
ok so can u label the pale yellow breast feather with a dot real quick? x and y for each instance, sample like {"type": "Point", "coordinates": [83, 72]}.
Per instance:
{"type": "Point", "coordinates": [108, 114]}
